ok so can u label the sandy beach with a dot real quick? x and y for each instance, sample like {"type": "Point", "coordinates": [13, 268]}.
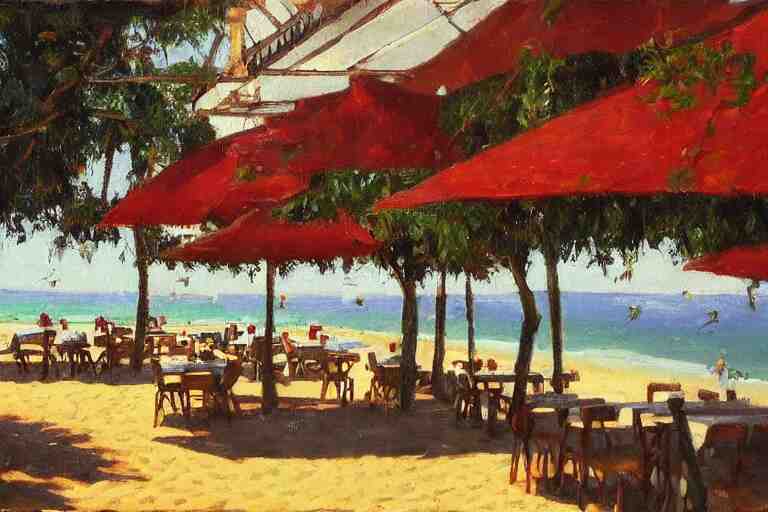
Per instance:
{"type": "Point", "coordinates": [89, 444]}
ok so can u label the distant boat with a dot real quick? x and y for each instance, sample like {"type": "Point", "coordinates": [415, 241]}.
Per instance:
{"type": "Point", "coordinates": [192, 297]}
{"type": "Point", "coordinates": [360, 301]}
{"type": "Point", "coordinates": [349, 291]}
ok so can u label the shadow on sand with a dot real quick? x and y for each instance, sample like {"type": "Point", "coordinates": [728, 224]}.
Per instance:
{"type": "Point", "coordinates": [44, 452]}
{"type": "Point", "coordinates": [122, 375]}
{"type": "Point", "coordinates": [310, 429]}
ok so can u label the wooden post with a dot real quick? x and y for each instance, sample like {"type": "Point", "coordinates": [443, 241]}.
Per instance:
{"type": "Point", "coordinates": [696, 490]}
{"type": "Point", "coordinates": [236, 21]}
{"type": "Point", "coordinates": [268, 391]}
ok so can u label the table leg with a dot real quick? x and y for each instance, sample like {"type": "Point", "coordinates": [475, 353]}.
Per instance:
{"type": "Point", "coordinates": [72, 362]}
{"type": "Point", "coordinates": [46, 360]}
{"type": "Point", "coordinates": [493, 410]}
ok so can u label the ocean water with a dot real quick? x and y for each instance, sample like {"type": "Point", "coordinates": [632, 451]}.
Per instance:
{"type": "Point", "coordinates": [670, 330]}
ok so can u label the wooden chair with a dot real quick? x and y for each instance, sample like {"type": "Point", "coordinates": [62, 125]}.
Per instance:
{"type": "Point", "coordinates": [721, 455]}
{"type": "Point", "coordinates": [336, 370]}
{"type": "Point", "coordinates": [748, 492]}
{"type": "Point", "coordinates": [79, 357]}
{"type": "Point", "coordinates": [165, 390]}
{"type": "Point", "coordinates": [204, 382]}
{"type": "Point", "coordinates": [163, 340]}
{"type": "Point", "coordinates": [375, 393]}
{"type": "Point", "coordinates": [537, 438]}
{"type": "Point", "coordinates": [254, 356]}
{"type": "Point", "coordinates": [467, 403]}
{"type": "Point", "coordinates": [224, 392]}
{"type": "Point", "coordinates": [660, 387]}
{"type": "Point", "coordinates": [596, 450]}
{"type": "Point", "coordinates": [566, 378]}
{"type": "Point", "coordinates": [385, 385]}
{"type": "Point", "coordinates": [292, 355]}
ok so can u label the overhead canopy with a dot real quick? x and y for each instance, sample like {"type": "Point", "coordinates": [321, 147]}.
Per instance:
{"type": "Point", "coordinates": [493, 45]}
{"type": "Point", "coordinates": [624, 144]}
{"type": "Point", "coordinates": [372, 126]}
{"type": "Point", "coordinates": [256, 237]}
{"type": "Point", "coordinates": [749, 262]}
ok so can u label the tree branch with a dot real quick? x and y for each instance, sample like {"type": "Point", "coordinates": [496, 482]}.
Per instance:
{"type": "Point", "coordinates": [181, 79]}
{"type": "Point", "coordinates": [29, 130]}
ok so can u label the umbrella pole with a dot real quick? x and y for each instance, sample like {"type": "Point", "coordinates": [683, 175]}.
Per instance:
{"type": "Point", "coordinates": [268, 392]}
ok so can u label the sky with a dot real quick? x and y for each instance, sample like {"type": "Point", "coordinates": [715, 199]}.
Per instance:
{"type": "Point", "coordinates": [25, 266]}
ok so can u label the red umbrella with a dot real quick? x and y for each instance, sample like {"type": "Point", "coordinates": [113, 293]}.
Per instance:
{"type": "Point", "coordinates": [623, 144]}
{"type": "Point", "coordinates": [749, 262]}
{"type": "Point", "coordinates": [256, 236]}
{"type": "Point", "coordinates": [493, 46]}
{"type": "Point", "coordinates": [372, 126]}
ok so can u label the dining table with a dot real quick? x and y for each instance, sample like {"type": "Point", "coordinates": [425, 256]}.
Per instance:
{"type": "Point", "coordinates": [41, 337]}
{"type": "Point", "coordinates": [672, 424]}
{"type": "Point", "coordinates": [180, 366]}
{"type": "Point", "coordinates": [491, 382]}
{"type": "Point", "coordinates": [336, 367]}
{"type": "Point", "coordinates": [74, 347]}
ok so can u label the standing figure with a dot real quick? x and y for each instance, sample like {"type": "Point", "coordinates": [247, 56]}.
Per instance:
{"type": "Point", "coordinates": [720, 370]}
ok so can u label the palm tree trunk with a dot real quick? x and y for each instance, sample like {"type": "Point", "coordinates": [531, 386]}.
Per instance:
{"type": "Point", "coordinates": [438, 377]}
{"type": "Point", "coordinates": [531, 320]}
{"type": "Point", "coordinates": [268, 390]}
{"type": "Point", "coordinates": [410, 329]}
{"type": "Point", "coordinates": [555, 316]}
{"type": "Point", "coordinates": [469, 301]}
{"type": "Point", "coordinates": [142, 305]}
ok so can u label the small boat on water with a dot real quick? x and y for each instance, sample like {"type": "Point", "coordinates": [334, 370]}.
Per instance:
{"type": "Point", "coordinates": [190, 297]}
{"type": "Point", "coordinates": [349, 292]}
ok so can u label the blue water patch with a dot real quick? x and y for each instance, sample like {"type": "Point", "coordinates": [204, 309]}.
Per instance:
{"type": "Point", "coordinates": [669, 326]}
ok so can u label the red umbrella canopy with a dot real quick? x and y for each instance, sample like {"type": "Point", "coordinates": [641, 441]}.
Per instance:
{"type": "Point", "coordinates": [493, 45]}
{"type": "Point", "coordinates": [624, 144]}
{"type": "Point", "coordinates": [371, 126]}
{"type": "Point", "coordinates": [256, 236]}
{"type": "Point", "coordinates": [749, 262]}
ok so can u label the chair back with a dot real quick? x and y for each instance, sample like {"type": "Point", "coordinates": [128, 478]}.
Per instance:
{"type": "Point", "coordinates": [660, 387]}
{"type": "Point", "coordinates": [537, 382]}
{"type": "Point", "coordinates": [566, 379]}
{"type": "Point", "coordinates": [373, 363]}
{"type": "Point", "coordinates": [232, 372]}
{"type": "Point", "coordinates": [464, 382]}
{"type": "Point", "coordinates": [708, 396]}
{"type": "Point", "coordinates": [313, 330]}
{"type": "Point", "coordinates": [202, 381]}
{"type": "Point", "coordinates": [758, 441]}
{"type": "Point", "coordinates": [598, 413]}
{"type": "Point", "coordinates": [157, 372]}
{"type": "Point", "coordinates": [118, 331]}
{"type": "Point", "coordinates": [723, 435]}
{"type": "Point", "coordinates": [287, 345]}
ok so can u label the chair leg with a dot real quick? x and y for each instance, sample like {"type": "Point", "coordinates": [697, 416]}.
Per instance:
{"type": "Point", "coordinates": [527, 465]}
{"type": "Point", "coordinates": [619, 493]}
{"type": "Point", "coordinates": [173, 402]}
{"type": "Point", "coordinates": [235, 404]}
{"type": "Point", "coordinates": [158, 406]}
{"type": "Point", "coordinates": [351, 389]}
{"type": "Point", "coordinates": [324, 388]}
{"type": "Point", "coordinates": [515, 463]}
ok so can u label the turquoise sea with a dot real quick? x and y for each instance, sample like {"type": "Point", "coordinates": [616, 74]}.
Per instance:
{"type": "Point", "coordinates": [668, 331]}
